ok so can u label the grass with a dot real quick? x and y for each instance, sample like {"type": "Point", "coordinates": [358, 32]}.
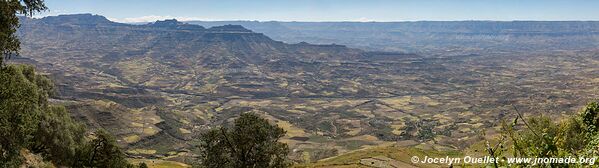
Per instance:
{"type": "Point", "coordinates": [132, 138]}
{"type": "Point", "coordinates": [155, 163]}
{"type": "Point", "coordinates": [353, 144]}
{"type": "Point", "coordinates": [400, 154]}
{"type": "Point", "coordinates": [319, 139]}
{"type": "Point", "coordinates": [292, 131]}
{"type": "Point", "coordinates": [142, 151]}
{"type": "Point", "coordinates": [184, 131]}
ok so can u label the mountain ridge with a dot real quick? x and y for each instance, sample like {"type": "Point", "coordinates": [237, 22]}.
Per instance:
{"type": "Point", "coordinates": [414, 37]}
{"type": "Point", "coordinates": [193, 33]}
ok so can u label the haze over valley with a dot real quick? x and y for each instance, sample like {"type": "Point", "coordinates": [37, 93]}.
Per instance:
{"type": "Point", "coordinates": [434, 37]}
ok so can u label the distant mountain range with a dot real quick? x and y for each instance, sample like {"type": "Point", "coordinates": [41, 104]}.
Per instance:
{"type": "Point", "coordinates": [430, 36]}
{"type": "Point", "coordinates": [433, 36]}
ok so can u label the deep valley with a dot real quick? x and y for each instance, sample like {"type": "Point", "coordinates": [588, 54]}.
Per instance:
{"type": "Point", "coordinates": [156, 86]}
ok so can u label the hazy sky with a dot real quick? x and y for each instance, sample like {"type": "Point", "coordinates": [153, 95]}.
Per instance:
{"type": "Point", "coordinates": [330, 10]}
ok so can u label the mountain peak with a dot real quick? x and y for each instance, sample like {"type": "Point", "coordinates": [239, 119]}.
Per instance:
{"type": "Point", "coordinates": [230, 29]}
{"type": "Point", "coordinates": [82, 19]}
{"type": "Point", "coordinates": [174, 23]}
{"type": "Point", "coordinates": [168, 22]}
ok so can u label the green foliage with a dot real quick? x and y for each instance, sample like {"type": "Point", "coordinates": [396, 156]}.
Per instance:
{"type": "Point", "coordinates": [9, 22]}
{"type": "Point", "coordinates": [22, 93]}
{"type": "Point", "coordinates": [102, 151]}
{"type": "Point", "coordinates": [542, 142]}
{"type": "Point", "coordinates": [58, 136]}
{"type": "Point", "coordinates": [27, 121]}
{"type": "Point", "coordinates": [590, 118]}
{"type": "Point", "coordinates": [142, 165]}
{"type": "Point", "coordinates": [543, 138]}
{"type": "Point", "coordinates": [251, 142]}
{"type": "Point", "coordinates": [23, 97]}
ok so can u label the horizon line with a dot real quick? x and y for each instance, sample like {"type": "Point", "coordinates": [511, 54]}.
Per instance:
{"type": "Point", "coordinates": [186, 19]}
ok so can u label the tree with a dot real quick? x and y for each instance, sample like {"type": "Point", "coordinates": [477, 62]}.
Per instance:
{"type": "Point", "coordinates": [576, 136]}
{"type": "Point", "coordinates": [23, 97]}
{"type": "Point", "coordinates": [142, 165]}
{"type": "Point", "coordinates": [28, 121]}
{"type": "Point", "coordinates": [9, 22]}
{"type": "Point", "coordinates": [58, 136]}
{"type": "Point", "coordinates": [251, 142]}
{"type": "Point", "coordinates": [103, 151]}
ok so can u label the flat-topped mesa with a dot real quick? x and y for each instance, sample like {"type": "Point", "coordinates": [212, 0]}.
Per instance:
{"type": "Point", "coordinates": [229, 29]}
{"type": "Point", "coordinates": [305, 44]}
{"type": "Point", "coordinates": [77, 19]}
{"type": "Point", "coordinates": [167, 23]}
{"type": "Point", "coordinates": [236, 33]}
{"type": "Point", "coordinates": [174, 24]}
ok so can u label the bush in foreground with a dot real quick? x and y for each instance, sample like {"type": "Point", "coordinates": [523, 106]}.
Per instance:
{"type": "Point", "coordinates": [576, 137]}
{"type": "Point", "coordinates": [251, 142]}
